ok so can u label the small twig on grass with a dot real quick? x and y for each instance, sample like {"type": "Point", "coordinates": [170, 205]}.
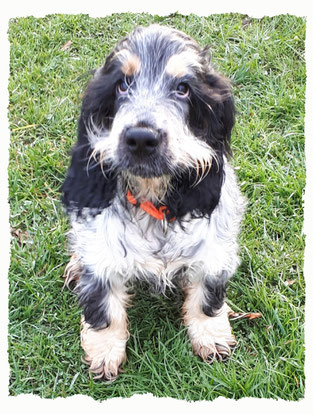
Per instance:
{"type": "Point", "coordinates": [241, 315]}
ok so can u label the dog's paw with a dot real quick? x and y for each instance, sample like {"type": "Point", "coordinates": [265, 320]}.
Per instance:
{"type": "Point", "coordinates": [211, 337]}
{"type": "Point", "coordinates": [211, 348]}
{"type": "Point", "coordinates": [105, 350]}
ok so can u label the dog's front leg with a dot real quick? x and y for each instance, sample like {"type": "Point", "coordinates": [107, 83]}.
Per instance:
{"type": "Point", "coordinates": [205, 314]}
{"type": "Point", "coordinates": [104, 330]}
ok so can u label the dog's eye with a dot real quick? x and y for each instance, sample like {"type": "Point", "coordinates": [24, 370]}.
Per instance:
{"type": "Point", "coordinates": [182, 90]}
{"type": "Point", "coordinates": [123, 86]}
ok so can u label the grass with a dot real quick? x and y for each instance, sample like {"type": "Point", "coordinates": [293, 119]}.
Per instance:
{"type": "Point", "coordinates": [265, 60]}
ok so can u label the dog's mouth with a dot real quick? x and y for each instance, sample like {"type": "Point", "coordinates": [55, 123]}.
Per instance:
{"type": "Point", "coordinates": [143, 171]}
{"type": "Point", "coordinates": [152, 168]}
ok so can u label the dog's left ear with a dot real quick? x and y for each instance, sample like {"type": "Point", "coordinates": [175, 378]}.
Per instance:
{"type": "Point", "coordinates": [211, 117]}
{"type": "Point", "coordinates": [220, 92]}
{"type": "Point", "coordinates": [213, 112]}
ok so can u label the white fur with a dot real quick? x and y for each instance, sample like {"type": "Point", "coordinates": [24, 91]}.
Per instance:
{"type": "Point", "coordinates": [210, 336]}
{"type": "Point", "coordinates": [122, 245]}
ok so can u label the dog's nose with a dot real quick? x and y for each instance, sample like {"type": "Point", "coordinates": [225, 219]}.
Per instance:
{"type": "Point", "coordinates": [141, 140]}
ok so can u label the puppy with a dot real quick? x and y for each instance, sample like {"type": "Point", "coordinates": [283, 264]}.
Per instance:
{"type": "Point", "coordinates": [151, 194]}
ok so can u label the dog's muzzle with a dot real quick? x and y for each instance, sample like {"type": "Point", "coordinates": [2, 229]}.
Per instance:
{"type": "Point", "coordinates": [141, 151]}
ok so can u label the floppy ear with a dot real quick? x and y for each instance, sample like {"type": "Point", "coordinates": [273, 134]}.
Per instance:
{"type": "Point", "coordinates": [222, 115]}
{"type": "Point", "coordinates": [99, 99]}
{"type": "Point", "coordinates": [211, 117]}
{"type": "Point", "coordinates": [87, 184]}
{"type": "Point", "coordinates": [199, 200]}
{"type": "Point", "coordinates": [212, 107]}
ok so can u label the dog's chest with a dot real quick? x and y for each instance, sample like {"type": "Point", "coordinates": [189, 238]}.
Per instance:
{"type": "Point", "coordinates": [117, 241]}
{"type": "Point", "coordinates": [109, 244]}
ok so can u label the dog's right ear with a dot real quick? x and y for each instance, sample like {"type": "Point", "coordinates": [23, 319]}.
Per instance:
{"type": "Point", "coordinates": [99, 101]}
{"type": "Point", "coordinates": [88, 185]}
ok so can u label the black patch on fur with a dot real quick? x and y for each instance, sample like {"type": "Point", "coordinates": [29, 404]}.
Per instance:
{"type": "Point", "coordinates": [214, 293]}
{"type": "Point", "coordinates": [88, 184]}
{"type": "Point", "coordinates": [92, 297]}
{"type": "Point", "coordinates": [211, 117]}
{"type": "Point", "coordinates": [100, 97]}
{"type": "Point", "coordinates": [200, 200]}
{"type": "Point", "coordinates": [212, 114]}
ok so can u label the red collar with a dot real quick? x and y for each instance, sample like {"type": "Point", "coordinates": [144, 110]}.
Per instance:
{"type": "Point", "coordinates": [158, 213]}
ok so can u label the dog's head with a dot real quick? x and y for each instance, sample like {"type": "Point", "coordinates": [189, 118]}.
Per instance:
{"type": "Point", "coordinates": [157, 117]}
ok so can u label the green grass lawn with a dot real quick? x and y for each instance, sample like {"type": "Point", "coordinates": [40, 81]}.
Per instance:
{"type": "Point", "coordinates": [265, 60]}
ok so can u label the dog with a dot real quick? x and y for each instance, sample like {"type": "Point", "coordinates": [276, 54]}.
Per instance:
{"type": "Point", "coordinates": [151, 194]}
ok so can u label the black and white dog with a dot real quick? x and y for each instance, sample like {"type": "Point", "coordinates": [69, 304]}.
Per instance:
{"type": "Point", "coordinates": [151, 194]}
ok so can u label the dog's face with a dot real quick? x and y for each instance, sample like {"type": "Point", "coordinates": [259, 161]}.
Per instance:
{"type": "Point", "coordinates": [157, 110]}
{"type": "Point", "coordinates": [152, 121]}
